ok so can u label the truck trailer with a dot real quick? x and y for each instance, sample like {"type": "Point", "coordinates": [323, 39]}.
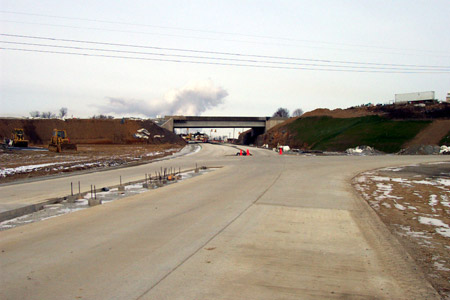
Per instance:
{"type": "Point", "coordinates": [418, 97]}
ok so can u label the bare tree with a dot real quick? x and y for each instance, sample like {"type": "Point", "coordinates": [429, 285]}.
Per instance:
{"type": "Point", "coordinates": [281, 112]}
{"type": "Point", "coordinates": [103, 117]}
{"type": "Point", "coordinates": [297, 113]}
{"type": "Point", "coordinates": [63, 112]}
{"type": "Point", "coordinates": [35, 114]}
{"type": "Point", "coordinates": [48, 115]}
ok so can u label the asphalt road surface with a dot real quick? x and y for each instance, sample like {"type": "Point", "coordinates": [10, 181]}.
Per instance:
{"type": "Point", "coordinates": [261, 227]}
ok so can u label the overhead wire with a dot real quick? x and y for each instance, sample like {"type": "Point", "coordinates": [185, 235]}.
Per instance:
{"type": "Point", "coordinates": [233, 54]}
{"type": "Point", "coordinates": [367, 50]}
{"type": "Point", "coordinates": [221, 58]}
{"type": "Point", "coordinates": [219, 63]}
{"type": "Point", "coordinates": [215, 32]}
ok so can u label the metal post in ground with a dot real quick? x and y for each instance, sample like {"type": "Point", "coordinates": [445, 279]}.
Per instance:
{"type": "Point", "coordinates": [145, 185]}
{"type": "Point", "coordinates": [121, 187]}
{"type": "Point", "coordinates": [79, 190]}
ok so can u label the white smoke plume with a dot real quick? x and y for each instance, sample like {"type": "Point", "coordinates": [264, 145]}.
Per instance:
{"type": "Point", "coordinates": [192, 99]}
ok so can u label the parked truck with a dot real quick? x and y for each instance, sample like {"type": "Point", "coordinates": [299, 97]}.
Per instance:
{"type": "Point", "coordinates": [417, 97]}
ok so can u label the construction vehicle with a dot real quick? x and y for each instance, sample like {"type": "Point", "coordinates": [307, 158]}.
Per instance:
{"type": "Point", "coordinates": [60, 142]}
{"type": "Point", "coordinates": [18, 138]}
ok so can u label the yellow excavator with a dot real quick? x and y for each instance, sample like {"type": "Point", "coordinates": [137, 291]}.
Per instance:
{"type": "Point", "coordinates": [18, 138]}
{"type": "Point", "coordinates": [60, 142]}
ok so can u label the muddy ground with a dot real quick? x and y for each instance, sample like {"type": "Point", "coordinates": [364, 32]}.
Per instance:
{"type": "Point", "coordinates": [414, 202]}
{"type": "Point", "coordinates": [24, 164]}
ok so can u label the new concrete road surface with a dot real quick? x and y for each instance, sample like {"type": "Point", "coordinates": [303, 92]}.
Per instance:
{"type": "Point", "coordinates": [261, 227]}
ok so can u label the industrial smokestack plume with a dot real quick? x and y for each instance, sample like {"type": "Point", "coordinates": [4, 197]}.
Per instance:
{"type": "Point", "coordinates": [192, 99]}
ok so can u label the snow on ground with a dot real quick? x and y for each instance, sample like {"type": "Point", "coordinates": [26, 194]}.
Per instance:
{"type": "Point", "coordinates": [69, 162]}
{"type": "Point", "coordinates": [414, 201]}
{"type": "Point", "coordinates": [442, 228]}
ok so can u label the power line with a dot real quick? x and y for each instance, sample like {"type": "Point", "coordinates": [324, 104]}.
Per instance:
{"type": "Point", "coordinates": [202, 38]}
{"type": "Point", "coordinates": [218, 63]}
{"type": "Point", "coordinates": [220, 58]}
{"type": "Point", "coordinates": [224, 53]}
{"type": "Point", "coordinates": [213, 32]}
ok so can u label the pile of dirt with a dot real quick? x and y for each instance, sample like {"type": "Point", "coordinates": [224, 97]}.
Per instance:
{"type": "Point", "coordinates": [421, 150]}
{"type": "Point", "coordinates": [90, 131]}
{"type": "Point", "coordinates": [352, 112]}
{"type": "Point", "coordinates": [392, 111]}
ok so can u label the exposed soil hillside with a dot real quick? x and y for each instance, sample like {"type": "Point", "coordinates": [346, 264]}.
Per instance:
{"type": "Point", "coordinates": [341, 113]}
{"type": "Point", "coordinates": [90, 131]}
{"type": "Point", "coordinates": [337, 134]}
{"type": "Point", "coordinates": [432, 134]}
{"type": "Point", "coordinates": [386, 128]}
{"type": "Point", "coordinates": [399, 111]}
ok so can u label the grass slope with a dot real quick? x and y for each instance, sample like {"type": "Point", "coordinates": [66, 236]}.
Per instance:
{"type": "Point", "coordinates": [326, 133]}
{"type": "Point", "coordinates": [445, 140]}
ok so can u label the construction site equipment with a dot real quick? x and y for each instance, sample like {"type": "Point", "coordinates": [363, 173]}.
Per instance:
{"type": "Point", "coordinates": [61, 142]}
{"type": "Point", "coordinates": [18, 138]}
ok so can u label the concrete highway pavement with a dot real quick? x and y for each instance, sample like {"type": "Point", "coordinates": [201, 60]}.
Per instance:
{"type": "Point", "coordinates": [261, 227]}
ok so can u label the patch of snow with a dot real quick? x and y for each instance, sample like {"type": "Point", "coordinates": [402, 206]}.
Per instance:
{"type": "Point", "coordinates": [417, 194]}
{"type": "Point", "coordinates": [412, 208]}
{"type": "Point", "coordinates": [400, 180]}
{"type": "Point", "coordinates": [415, 234]}
{"type": "Point", "coordinates": [399, 206]}
{"type": "Point", "coordinates": [23, 169]}
{"type": "Point", "coordinates": [392, 169]}
{"type": "Point", "coordinates": [361, 179]}
{"type": "Point", "coordinates": [385, 189]}
{"type": "Point", "coordinates": [442, 229]}
{"type": "Point", "coordinates": [431, 221]}
{"type": "Point", "coordinates": [441, 267]}
{"type": "Point", "coordinates": [433, 202]}
{"type": "Point", "coordinates": [424, 182]}
{"type": "Point", "coordinates": [380, 178]}
{"type": "Point", "coordinates": [443, 181]}
{"type": "Point", "coordinates": [444, 201]}
{"type": "Point", "coordinates": [386, 205]}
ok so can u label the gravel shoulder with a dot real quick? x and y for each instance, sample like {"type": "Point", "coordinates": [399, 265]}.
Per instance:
{"type": "Point", "coordinates": [414, 202]}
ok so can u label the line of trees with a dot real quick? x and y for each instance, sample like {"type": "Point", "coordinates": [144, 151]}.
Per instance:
{"type": "Point", "coordinates": [48, 114]}
{"type": "Point", "coordinates": [284, 112]}
{"type": "Point", "coordinates": [102, 117]}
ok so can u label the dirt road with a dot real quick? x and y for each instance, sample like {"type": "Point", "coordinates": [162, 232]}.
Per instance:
{"type": "Point", "coordinates": [261, 227]}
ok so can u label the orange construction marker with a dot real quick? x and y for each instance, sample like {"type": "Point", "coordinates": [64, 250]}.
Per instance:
{"type": "Point", "coordinates": [248, 152]}
{"type": "Point", "coordinates": [281, 151]}
{"type": "Point", "coordinates": [241, 153]}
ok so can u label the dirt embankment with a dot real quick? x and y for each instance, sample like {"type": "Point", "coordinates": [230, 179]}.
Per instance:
{"type": "Point", "coordinates": [394, 111]}
{"type": "Point", "coordinates": [431, 135]}
{"type": "Point", "coordinates": [90, 131]}
{"type": "Point", "coordinates": [439, 113]}
{"type": "Point", "coordinates": [341, 113]}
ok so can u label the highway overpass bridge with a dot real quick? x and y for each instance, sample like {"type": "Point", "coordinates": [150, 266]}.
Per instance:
{"type": "Point", "coordinates": [258, 124]}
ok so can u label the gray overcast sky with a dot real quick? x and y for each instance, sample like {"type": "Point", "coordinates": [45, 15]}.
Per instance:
{"type": "Point", "coordinates": [382, 32]}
